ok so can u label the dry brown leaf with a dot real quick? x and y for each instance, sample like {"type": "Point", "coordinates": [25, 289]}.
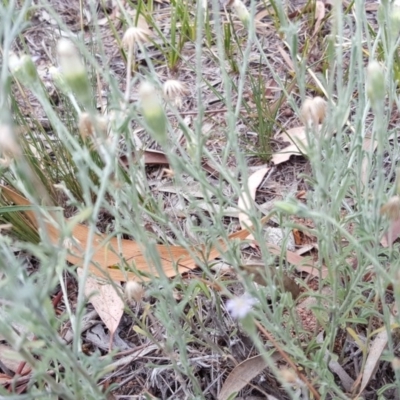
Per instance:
{"type": "Point", "coordinates": [241, 375]}
{"type": "Point", "coordinates": [174, 259]}
{"type": "Point", "coordinates": [392, 234]}
{"type": "Point", "coordinates": [155, 157]}
{"type": "Point", "coordinates": [247, 196]}
{"type": "Point", "coordinates": [304, 249]}
{"type": "Point", "coordinates": [302, 264]}
{"type": "Point", "coordinates": [319, 15]}
{"type": "Point", "coordinates": [298, 144]}
{"type": "Point", "coordinates": [105, 260]}
{"type": "Point", "coordinates": [5, 379]}
{"type": "Point", "coordinates": [151, 157]}
{"type": "Point", "coordinates": [374, 356]}
{"type": "Point", "coordinates": [286, 58]}
{"type": "Point", "coordinates": [10, 358]}
{"type": "Point", "coordinates": [105, 300]}
{"type": "Point", "coordinates": [258, 272]}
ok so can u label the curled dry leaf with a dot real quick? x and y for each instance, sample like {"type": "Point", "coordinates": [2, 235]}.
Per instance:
{"type": "Point", "coordinates": [375, 351]}
{"type": "Point", "coordinates": [319, 15]}
{"type": "Point", "coordinates": [297, 137]}
{"type": "Point", "coordinates": [247, 196]}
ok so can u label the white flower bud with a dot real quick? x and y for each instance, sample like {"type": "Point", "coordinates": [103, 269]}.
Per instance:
{"type": "Point", "coordinates": [313, 111]}
{"type": "Point", "coordinates": [375, 83]}
{"type": "Point", "coordinates": [73, 70]}
{"type": "Point", "coordinates": [242, 12]}
{"type": "Point", "coordinates": [153, 112]}
{"type": "Point", "coordinates": [23, 69]}
{"type": "Point", "coordinates": [395, 19]}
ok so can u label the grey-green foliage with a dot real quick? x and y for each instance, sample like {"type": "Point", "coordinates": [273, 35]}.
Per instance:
{"type": "Point", "coordinates": [90, 179]}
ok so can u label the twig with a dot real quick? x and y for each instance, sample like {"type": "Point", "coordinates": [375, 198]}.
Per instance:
{"type": "Point", "coordinates": [288, 360]}
{"type": "Point", "coordinates": [217, 111]}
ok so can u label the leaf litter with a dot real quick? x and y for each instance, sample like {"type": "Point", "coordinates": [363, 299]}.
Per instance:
{"type": "Point", "coordinates": [106, 252]}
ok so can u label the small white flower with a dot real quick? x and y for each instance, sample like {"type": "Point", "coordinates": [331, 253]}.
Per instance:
{"type": "Point", "coordinates": [239, 307]}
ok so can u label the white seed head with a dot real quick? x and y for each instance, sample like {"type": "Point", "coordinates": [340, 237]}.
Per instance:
{"type": "Point", "coordinates": [90, 125]}
{"type": "Point", "coordinates": [173, 91]}
{"type": "Point", "coordinates": [85, 125]}
{"type": "Point", "coordinates": [290, 377]}
{"type": "Point", "coordinates": [392, 208]}
{"type": "Point", "coordinates": [313, 111]}
{"type": "Point", "coordinates": [134, 291]}
{"type": "Point", "coordinates": [8, 144]}
{"type": "Point", "coordinates": [135, 36]}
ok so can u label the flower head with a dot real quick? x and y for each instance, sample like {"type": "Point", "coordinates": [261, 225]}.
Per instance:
{"type": "Point", "coordinates": [392, 208]}
{"type": "Point", "coordinates": [241, 11]}
{"type": "Point", "coordinates": [239, 307]}
{"type": "Point", "coordinates": [135, 36]}
{"type": "Point", "coordinates": [73, 70]}
{"type": "Point", "coordinates": [23, 69]}
{"type": "Point", "coordinates": [58, 79]}
{"type": "Point", "coordinates": [134, 291]}
{"type": "Point", "coordinates": [313, 111]}
{"type": "Point", "coordinates": [173, 91]}
{"type": "Point", "coordinates": [90, 124]}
